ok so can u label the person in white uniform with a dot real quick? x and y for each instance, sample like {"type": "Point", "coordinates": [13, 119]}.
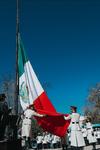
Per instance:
{"type": "Point", "coordinates": [90, 133]}
{"type": "Point", "coordinates": [49, 140]}
{"type": "Point", "coordinates": [39, 139]}
{"type": "Point", "coordinates": [27, 122]}
{"type": "Point", "coordinates": [45, 140]}
{"type": "Point", "coordinates": [76, 137]}
{"type": "Point", "coordinates": [97, 134]}
{"type": "Point", "coordinates": [54, 141]}
{"type": "Point", "coordinates": [84, 132]}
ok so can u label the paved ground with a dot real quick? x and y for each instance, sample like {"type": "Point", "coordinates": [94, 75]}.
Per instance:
{"type": "Point", "coordinates": [90, 147]}
{"type": "Point", "coordinates": [86, 148]}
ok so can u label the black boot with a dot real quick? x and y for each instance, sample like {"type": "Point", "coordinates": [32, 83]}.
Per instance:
{"type": "Point", "coordinates": [29, 142]}
{"type": "Point", "coordinates": [94, 146]}
{"type": "Point", "coordinates": [63, 147]}
{"type": "Point", "coordinates": [66, 147]}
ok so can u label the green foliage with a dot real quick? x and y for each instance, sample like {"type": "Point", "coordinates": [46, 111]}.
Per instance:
{"type": "Point", "coordinates": [36, 128]}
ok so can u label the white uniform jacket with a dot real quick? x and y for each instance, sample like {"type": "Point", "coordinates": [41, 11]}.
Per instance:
{"type": "Point", "coordinates": [90, 133]}
{"type": "Point", "coordinates": [26, 124]}
{"type": "Point", "coordinates": [39, 139]}
{"type": "Point", "coordinates": [76, 136]}
{"type": "Point", "coordinates": [84, 132]}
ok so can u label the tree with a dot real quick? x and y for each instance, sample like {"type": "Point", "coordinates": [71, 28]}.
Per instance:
{"type": "Point", "coordinates": [36, 128]}
{"type": "Point", "coordinates": [93, 104]}
{"type": "Point", "coordinates": [7, 86]}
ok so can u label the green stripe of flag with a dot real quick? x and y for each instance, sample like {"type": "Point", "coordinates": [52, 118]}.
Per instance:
{"type": "Point", "coordinates": [22, 57]}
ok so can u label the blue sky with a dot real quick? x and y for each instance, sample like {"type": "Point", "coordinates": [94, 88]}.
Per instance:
{"type": "Point", "coordinates": [62, 41]}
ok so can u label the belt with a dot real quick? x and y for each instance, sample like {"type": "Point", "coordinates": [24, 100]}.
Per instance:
{"type": "Point", "coordinates": [75, 122]}
{"type": "Point", "coordinates": [27, 118]}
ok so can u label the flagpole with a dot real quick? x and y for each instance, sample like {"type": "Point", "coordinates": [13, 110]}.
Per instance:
{"type": "Point", "coordinates": [17, 81]}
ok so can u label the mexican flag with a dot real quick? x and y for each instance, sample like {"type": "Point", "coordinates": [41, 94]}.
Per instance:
{"type": "Point", "coordinates": [31, 92]}
{"type": "Point", "coordinates": [29, 85]}
{"type": "Point", "coordinates": [30, 89]}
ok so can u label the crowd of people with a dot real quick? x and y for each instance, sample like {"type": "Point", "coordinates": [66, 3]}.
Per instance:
{"type": "Point", "coordinates": [79, 134]}
{"type": "Point", "coordinates": [46, 140]}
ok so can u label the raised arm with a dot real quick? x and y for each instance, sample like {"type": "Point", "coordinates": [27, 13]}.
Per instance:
{"type": "Point", "coordinates": [38, 115]}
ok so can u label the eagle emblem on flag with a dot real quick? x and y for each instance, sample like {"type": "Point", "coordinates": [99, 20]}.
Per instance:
{"type": "Point", "coordinates": [24, 93]}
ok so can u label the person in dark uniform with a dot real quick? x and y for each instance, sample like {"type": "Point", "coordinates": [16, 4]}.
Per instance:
{"type": "Point", "coordinates": [3, 115]}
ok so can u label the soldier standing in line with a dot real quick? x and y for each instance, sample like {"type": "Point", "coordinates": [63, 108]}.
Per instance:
{"type": "Point", "coordinates": [44, 141]}
{"type": "Point", "coordinates": [49, 140]}
{"type": "Point", "coordinates": [76, 137]}
{"type": "Point", "coordinates": [54, 141]}
{"type": "Point", "coordinates": [39, 139]}
{"type": "Point", "coordinates": [90, 133]}
{"type": "Point", "coordinates": [98, 135]}
{"type": "Point", "coordinates": [84, 132]}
